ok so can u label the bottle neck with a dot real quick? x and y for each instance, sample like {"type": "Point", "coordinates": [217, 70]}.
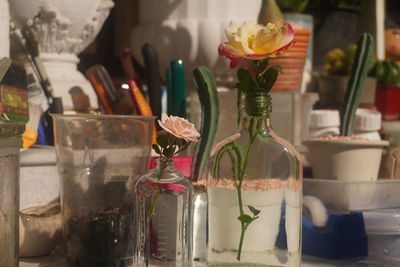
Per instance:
{"type": "Point", "coordinates": [256, 107]}
{"type": "Point", "coordinates": [164, 163]}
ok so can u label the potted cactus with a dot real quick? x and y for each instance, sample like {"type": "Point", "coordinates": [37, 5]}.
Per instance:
{"type": "Point", "coordinates": [346, 157]}
{"type": "Point", "coordinates": [387, 74]}
{"type": "Point", "coordinates": [332, 84]}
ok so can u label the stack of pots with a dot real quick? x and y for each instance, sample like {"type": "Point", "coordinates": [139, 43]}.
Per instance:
{"type": "Point", "coordinates": [292, 62]}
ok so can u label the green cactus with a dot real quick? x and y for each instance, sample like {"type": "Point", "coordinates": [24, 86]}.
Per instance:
{"type": "Point", "coordinates": [208, 95]}
{"type": "Point", "coordinates": [356, 82]}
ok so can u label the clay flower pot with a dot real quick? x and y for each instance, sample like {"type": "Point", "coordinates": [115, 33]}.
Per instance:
{"type": "Point", "coordinates": [292, 62]}
{"type": "Point", "coordinates": [345, 159]}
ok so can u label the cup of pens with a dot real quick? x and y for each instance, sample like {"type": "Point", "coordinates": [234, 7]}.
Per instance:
{"type": "Point", "coordinates": [98, 156]}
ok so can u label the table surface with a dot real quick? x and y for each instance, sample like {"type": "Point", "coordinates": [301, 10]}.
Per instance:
{"type": "Point", "coordinates": [58, 261]}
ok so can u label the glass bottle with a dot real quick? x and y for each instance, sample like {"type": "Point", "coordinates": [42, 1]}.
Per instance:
{"type": "Point", "coordinates": [10, 143]}
{"type": "Point", "coordinates": [254, 190]}
{"type": "Point", "coordinates": [164, 208]}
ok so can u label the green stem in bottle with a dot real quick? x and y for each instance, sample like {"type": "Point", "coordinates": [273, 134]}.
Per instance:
{"type": "Point", "coordinates": [254, 128]}
{"type": "Point", "coordinates": [154, 199]}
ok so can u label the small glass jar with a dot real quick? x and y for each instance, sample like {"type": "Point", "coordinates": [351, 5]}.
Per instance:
{"type": "Point", "coordinates": [10, 143]}
{"type": "Point", "coordinates": [164, 208]}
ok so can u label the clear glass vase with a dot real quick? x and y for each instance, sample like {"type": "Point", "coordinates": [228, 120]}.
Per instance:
{"type": "Point", "coordinates": [254, 190]}
{"type": "Point", "coordinates": [99, 157]}
{"type": "Point", "coordinates": [164, 208]}
{"type": "Point", "coordinates": [10, 143]}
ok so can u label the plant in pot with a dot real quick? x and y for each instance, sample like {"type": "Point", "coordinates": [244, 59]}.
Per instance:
{"type": "Point", "coordinates": [346, 157]}
{"type": "Point", "coordinates": [296, 60]}
{"type": "Point", "coordinates": [332, 84]}
{"type": "Point", "coordinates": [387, 74]}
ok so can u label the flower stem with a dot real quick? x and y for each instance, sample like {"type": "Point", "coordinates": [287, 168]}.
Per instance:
{"type": "Point", "coordinates": [154, 198]}
{"type": "Point", "coordinates": [153, 201]}
{"type": "Point", "coordinates": [241, 241]}
{"type": "Point", "coordinates": [239, 187]}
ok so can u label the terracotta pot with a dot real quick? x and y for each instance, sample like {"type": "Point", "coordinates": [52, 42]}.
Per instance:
{"type": "Point", "coordinates": [300, 31]}
{"type": "Point", "coordinates": [299, 49]}
{"type": "Point", "coordinates": [292, 62]}
{"type": "Point", "coordinates": [291, 71]}
{"type": "Point", "coordinates": [388, 101]}
{"type": "Point", "coordinates": [355, 160]}
{"type": "Point", "coordinates": [302, 38]}
{"type": "Point", "coordinates": [302, 44]}
{"type": "Point", "coordinates": [288, 61]}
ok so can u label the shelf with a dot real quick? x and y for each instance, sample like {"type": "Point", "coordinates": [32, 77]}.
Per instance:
{"type": "Point", "coordinates": [58, 261]}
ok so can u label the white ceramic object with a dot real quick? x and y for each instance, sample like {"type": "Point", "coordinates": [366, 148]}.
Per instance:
{"type": "Point", "coordinates": [190, 30]}
{"type": "Point", "coordinates": [63, 29]}
{"type": "Point", "coordinates": [4, 29]}
{"type": "Point", "coordinates": [367, 123]}
{"type": "Point", "coordinates": [349, 160]}
{"type": "Point", "coordinates": [322, 118]}
{"type": "Point", "coordinates": [367, 120]}
{"type": "Point", "coordinates": [324, 122]}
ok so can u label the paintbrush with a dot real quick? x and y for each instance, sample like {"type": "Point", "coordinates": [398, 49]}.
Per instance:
{"type": "Point", "coordinates": [30, 135]}
{"type": "Point", "coordinates": [104, 87]}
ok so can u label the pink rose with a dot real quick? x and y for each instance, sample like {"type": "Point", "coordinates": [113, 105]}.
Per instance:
{"type": "Point", "coordinates": [179, 127]}
{"type": "Point", "coordinates": [254, 41]}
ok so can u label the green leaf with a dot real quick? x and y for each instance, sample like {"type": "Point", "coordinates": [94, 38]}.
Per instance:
{"type": "Point", "coordinates": [262, 65]}
{"type": "Point", "coordinates": [172, 139]}
{"type": "Point", "coordinates": [241, 88]}
{"type": "Point", "coordinates": [169, 151]}
{"type": "Point", "coordinates": [254, 210]}
{"type": "Point", "coordinates": [182, 143]}
{"type": "Point", "coordinates": [247, 81]}
{"type": "Point", "coordinates": [244, 77]}
{"type": "Point", "coordinates": [269, 77]}
{"type": "Point", "coordinates": [162, 140]}
{"type": "Point", "coordinates": [244, 218]}
{"type": "Point", "coordinates": [156, 148]}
